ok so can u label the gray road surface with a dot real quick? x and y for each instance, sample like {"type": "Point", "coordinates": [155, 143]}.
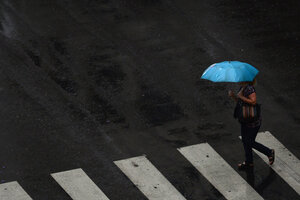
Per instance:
{"type": "Point", "coordinates": [85, 83]}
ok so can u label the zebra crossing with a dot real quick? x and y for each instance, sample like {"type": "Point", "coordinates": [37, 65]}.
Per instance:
{"type": "Point", "coordinates": [12, 190]}
{"type": "Point", "coordinates": [287, 164]}
{"type": "Point", "coordinates": [218, 172]}
{"type": "Point", "coordinates": [148, 179]}
{"type": "Point", "coordinates": [152, 183]}
{"type": "Point", "coordinates": [78, 185]}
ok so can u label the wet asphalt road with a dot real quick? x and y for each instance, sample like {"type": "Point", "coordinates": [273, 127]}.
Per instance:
{"type": "Point", "coordinates": [85, 83]}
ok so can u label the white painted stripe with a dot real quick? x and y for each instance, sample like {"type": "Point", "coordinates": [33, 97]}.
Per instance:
{"type": "Point", "coordinates": [286, 164]}
{"type": "Point", "coordinates": [219, 173]}
{"type": "Point", "coordinates": [148, 179]}
{"type": "Point", "coordinates": [78, 185]}
{"type": "Point", "coordinates": [13, 191]}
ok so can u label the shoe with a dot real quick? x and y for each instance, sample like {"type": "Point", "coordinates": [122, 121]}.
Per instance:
{"type": "Point", "coordinates": [272, 157]}
{"type": "Point", "coordinates": [244, 166]}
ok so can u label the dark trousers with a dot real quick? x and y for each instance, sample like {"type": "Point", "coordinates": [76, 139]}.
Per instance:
{"type": "Point", "coordinates": [248, 138]}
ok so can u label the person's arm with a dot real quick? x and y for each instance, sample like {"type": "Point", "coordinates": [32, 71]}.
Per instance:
{"type": "Point", "coordinates": [250, 100]}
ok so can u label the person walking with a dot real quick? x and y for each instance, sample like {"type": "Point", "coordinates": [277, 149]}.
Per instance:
{"type": "Point", "coordinates": [244, 74]}
{"type": "Point", "coordinates": [249, 130]}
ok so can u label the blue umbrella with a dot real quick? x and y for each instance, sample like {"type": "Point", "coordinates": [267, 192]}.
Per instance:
{"type": "Point", "coordinates": [230, 71]}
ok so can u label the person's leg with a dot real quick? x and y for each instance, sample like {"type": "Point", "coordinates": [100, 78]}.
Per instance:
{"type": "Point", "coordinates": [247, 143]}
{"type": "Point", "coordinates": [258, 146]}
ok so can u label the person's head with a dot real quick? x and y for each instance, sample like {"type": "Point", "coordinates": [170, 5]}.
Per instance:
{"type": "Point", "coordinates": [248, 82]}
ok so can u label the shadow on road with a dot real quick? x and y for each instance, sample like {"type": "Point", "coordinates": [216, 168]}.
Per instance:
{"type": "Point", "coordinates": [261, 186]}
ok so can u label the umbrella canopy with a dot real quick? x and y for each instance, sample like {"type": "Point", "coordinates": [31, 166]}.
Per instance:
{"type": "Point", "coordinates": [230, 71]}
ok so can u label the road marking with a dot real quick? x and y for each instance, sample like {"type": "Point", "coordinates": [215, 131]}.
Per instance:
{"type": "Point", "coordinates": [78, 185]}
{"type": "Point", "coordinates": [286, 164]}
{"type": "Point", "coordinates": [13, 191]}
{"type": "Point", "coordinates": [148, 179]}
{"type": "Point", "coordinates": [220, 174]}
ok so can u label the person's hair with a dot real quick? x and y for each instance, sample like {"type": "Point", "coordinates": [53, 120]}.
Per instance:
{"type": "Point", "coordinates": [253, 83]}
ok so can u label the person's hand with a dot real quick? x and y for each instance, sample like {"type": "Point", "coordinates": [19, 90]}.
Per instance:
{"type": "Point", "coordinates": [240, 94]}
{"type": "Point", "coordinates": [230, 93]}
